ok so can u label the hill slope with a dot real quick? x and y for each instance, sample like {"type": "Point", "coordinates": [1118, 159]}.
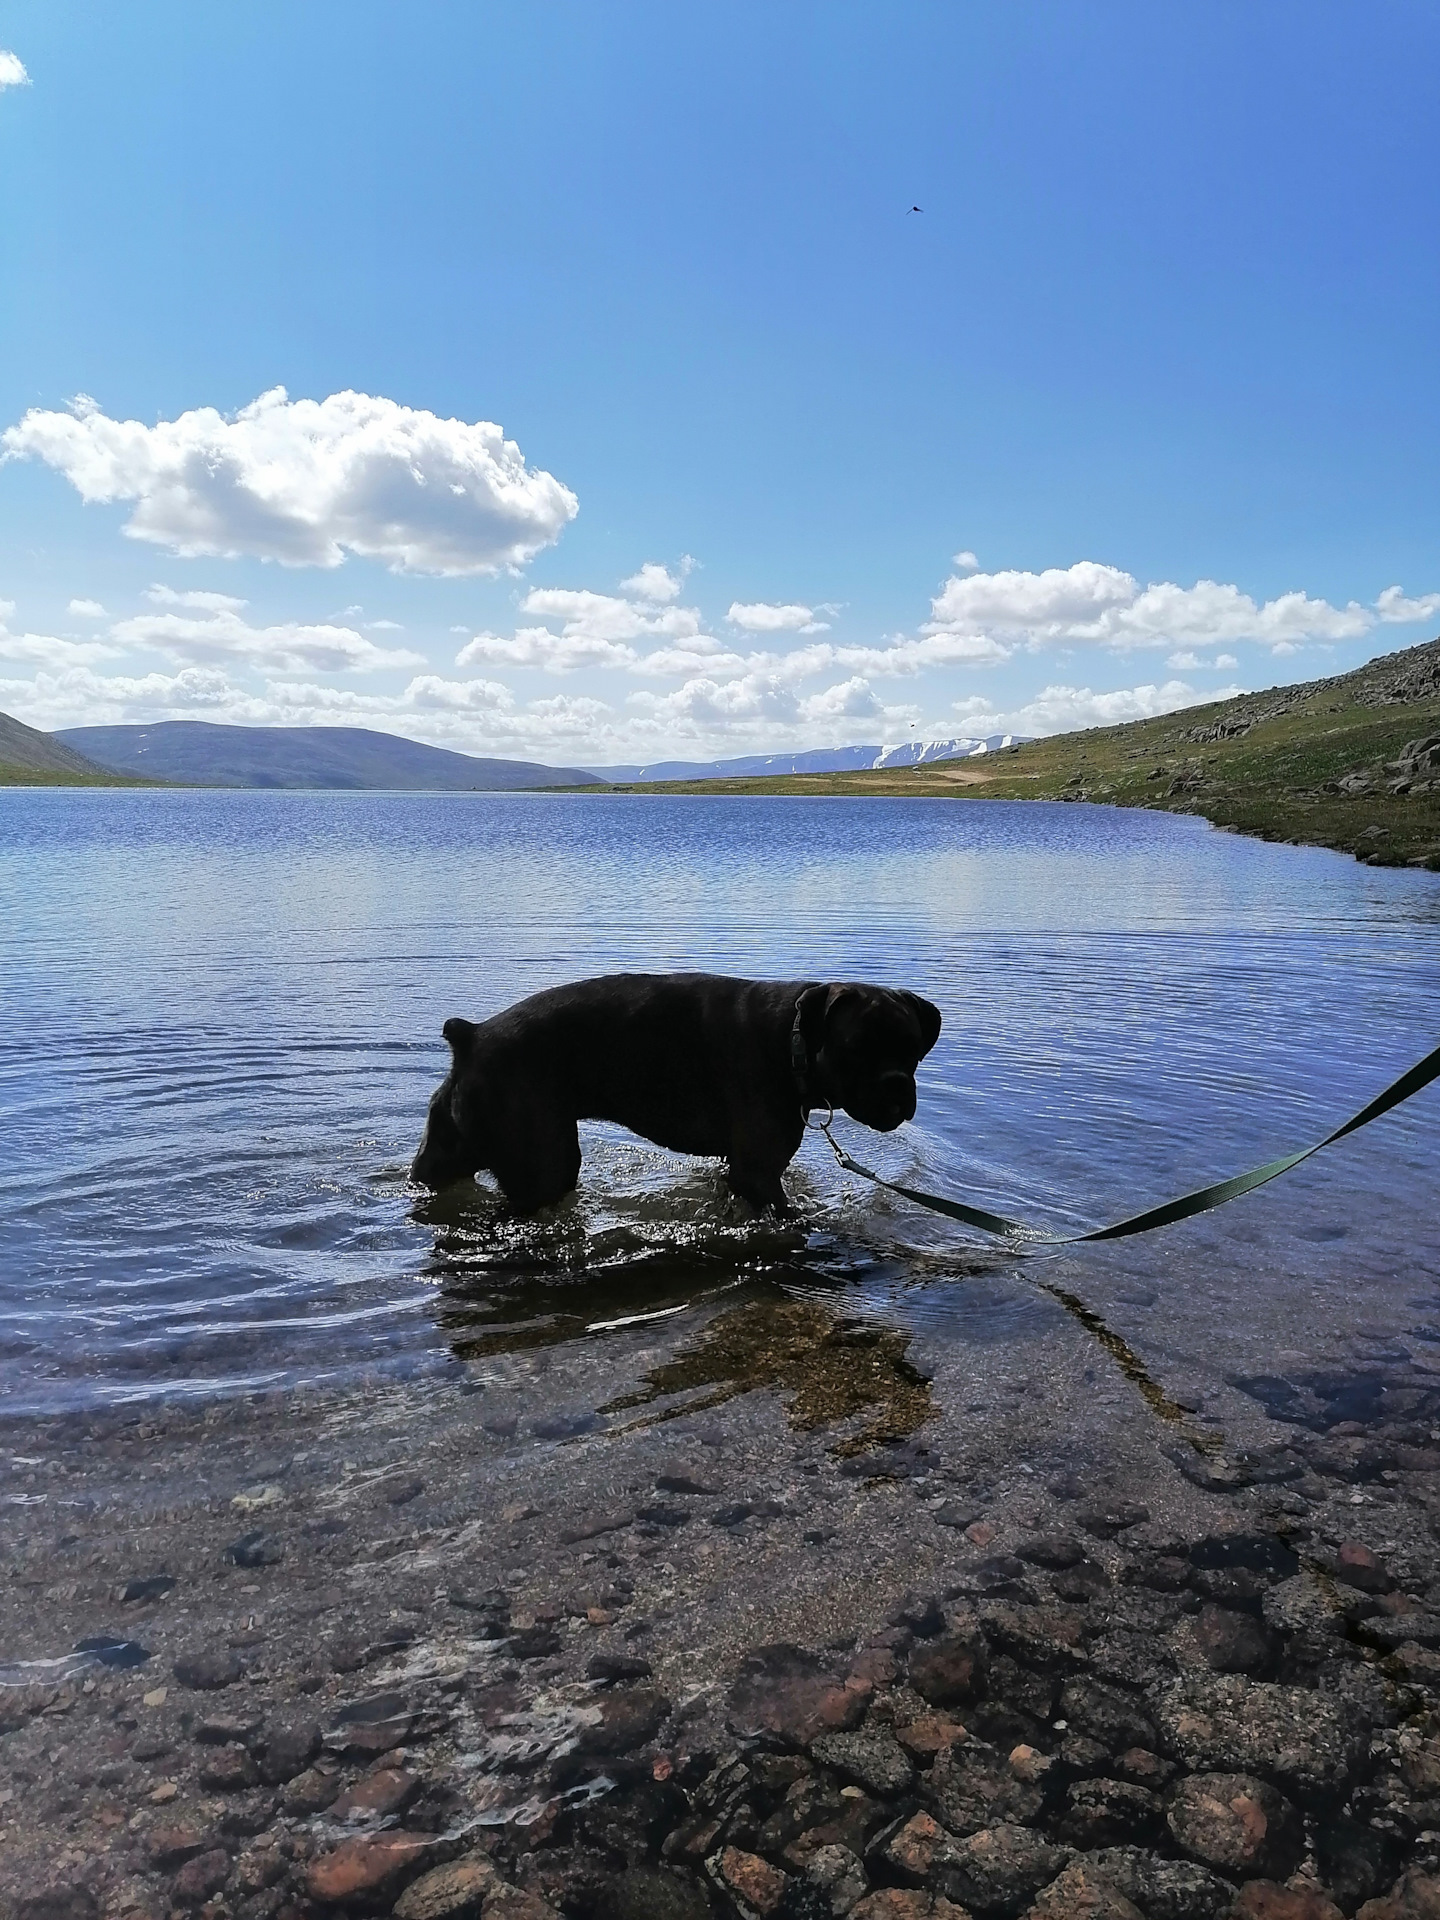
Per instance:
{"type": "Point", "coordinates": [1320, 764]}
{"type": "Point", "coordinates": [30, 758]}
{"type": "Point", "coordinates": [817, 760]}
{"type": "Point", "coordinates": [202, 753]}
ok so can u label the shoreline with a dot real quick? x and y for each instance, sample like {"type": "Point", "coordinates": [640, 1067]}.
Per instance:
{"type": "Point", "coordinates": [501, 1623]}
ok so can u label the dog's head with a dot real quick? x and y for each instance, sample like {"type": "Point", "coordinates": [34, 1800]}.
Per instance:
{"type": "Point", "coordinates": [452, 1146]}
{"type": "Point", "coordinates": [864, 1044]}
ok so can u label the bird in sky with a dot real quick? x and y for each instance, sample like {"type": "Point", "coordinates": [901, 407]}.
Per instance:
{"type": "Point", "coordinates": [915, 209]}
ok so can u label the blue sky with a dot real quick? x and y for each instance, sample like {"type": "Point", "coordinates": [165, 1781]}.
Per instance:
{"type": "Point", "coordinates": [1141, 407]}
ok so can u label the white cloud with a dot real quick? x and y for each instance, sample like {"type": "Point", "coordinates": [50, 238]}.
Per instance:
{"type": "Point", "coordinates": [1093, 604]}
{"type": "Point", "coordinates": [385, 626]}
{"type": "Point", "coordinates": [222, 637]}
{"type": "Point", "coordinates": [49, 650]}
{"type": "Point", "coordinates": [1061, 709]}
{"type": "Point", "coordinates": [763, 616]}
{"type": "Point", "coordinates": [88, 610]}
{"type": "Point", "coordinates": [1224, 660]}
{"type": "Point", "coordinates": [12, 71]}
{"type": "Point", "coordinates": [305, 482]}
{"type": "Point", "coordinates": [657, 583]}
{"type": "Point", "coordinates": [1392, 606]}
{"type": "Point", "coordinates": [206, 602]}
{"type": "Point", "coordinates": [550, 652]}
{"type": "Point", "coordinates": [966, 561]}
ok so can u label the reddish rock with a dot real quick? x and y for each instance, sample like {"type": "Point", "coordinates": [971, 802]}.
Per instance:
{"type": "Point", "coordinates": [229, 1770]}
{"type": "Point", "coordinates": [1415, 1897]}
{"type": "Point", "coordinates": [1081, 1894]}
{"type": "Point", "coordinates": [385, 1791]}
{"type": "Point", "coordinates": [905, 1903]}
{"type": "Point", "coordinates": [366, 1869]}
{"type": "Point", "coordinates": [911, 1853]}
{"type": "Point", "coordinates": [454, 1892]}
{"type": "Point", "coordinates": [1268, 1900]}
{"type": "Point", "coordinates": [510, 1903]}
{"type": "Point", "coordinates": [170, 1847]}
{"type": "Point", "coordinates": [201, 1877]}
{"type": "Point", "coordinates": [951, 1669]}
{"type": "Point", "coordinates": [930, 1735]}
{"type": "Point", "coordinates": [628, 1718]}
{"type": "Point", "coordinates": [1236, 1825]}
{"type": "Point", "coordinates": [1356, 1566]}
{"type": "Point", "coordinates": [749, 1878]}
{"type": "Point", "coordinates": [785, 1691]}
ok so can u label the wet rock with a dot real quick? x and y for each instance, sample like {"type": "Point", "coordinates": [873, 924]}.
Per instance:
{"type": "Point", "coordinates": [643, 1893]}
{"type": "Point", "coordinates": [1018, 1704]}
{"type": "Point", "coordinates": [999, 1871]}
{"type": "Point", "coordinates": [932, 1733]}
{"type": "Point", "coordinates": [630, 1823]}
{"type": "Point", "coordinates": [593, 1525]}
{"type": "Point", "coordinates": [1109, 1813]}
{"type": "Point", "coordinates": [951, 1668]}
{"type": "Point", "coordinates": [1146, 1769]}
{"type": "Point", "coordinates": [611, 1667]}
{"type": "Point", "coordinates": [1132, 1658]}
{"type": "Point", "coordinates": [746, 1878]}
{"type": "Point", "coordinates": [836, 1873]}
{"type": "Point", "coordinates": [1240, 1587]}
{"type": "Point", "coordinates": [1080, 1893]}
{"type": "Point", "coordinates": [904, 1903]}
{"type": "Point", "coordinates": [1233, 1642]}
{"type": "Point", "coordinates": [628, 1718]}
{"type": "Point", "coordinates": [512, 1903]}
{"type": "Point", "coordinates": [1309, 1743]}
{"type": "Point", "coordinates": [1165, 1889]}
{"type": "Point", "coordinates": [1236, 1824]}
{"type": "Point", "coordinates": [229, 1770]}
{"type": "Point", "coordinates": [871, 1757]}
{"type": "Point", "coordinates": [153, 1587]}
{"type": "Point", "coordinates": [372, 1726]}
{"type": "Point", "coordinates": [386, 1791]}
{"type": "Point", "coordinates": [368, 1870]}
{"type": "Point", "coordinates": [1054, 1550]}
{"type": "Point", "coordinates": [199, 1879]}
{"type": "Point", "coordinates": [1267, 1900]}
{"type": "Point", "coordinates": [454, 1892]}
{"type": "Point", "coordinates": [1081, 1755]}
{"type": "Point", "coordinates": [222, 1729]}
{"type": "Point", "coordinates": [288, 1750]}
{"type": "Point", "coordinates": [258, 1869]}
{"type": "Point", "coordinates": [169, 1847]}
{"type": "Point", "coordinates": [1082, 1583]}
{"type": "Point", "coordinates": [954, 1513]}
{"type": "Point", "coordinates": [920, 1614]}
{"type": "Point", "coordinates": [1106, 1713]}
{"type": "Point", "coordinates": [311, 1791]}
{"type": "Point", "coordinates": [1392, 1631]}
{"type": "Point", "coordinates": [1105, 1518]}
{"type": "Point", "coordinates": [912, 1852]}
{"type": "Point", "coordinates": [1302, 1605]}
{"type": "Point", "coordinates": [257, 1549]}
{"type": "Point", "coordinates": [1048, 1638]}
{"type": "Point", "coordinates": [974, 1786]}
{"type": "Point", "coordinates": [1415, 1897]}
{"type": "Point", "coordinates": [207, 1671]}
{"type": "Point", "coordinates": [785, 1691]}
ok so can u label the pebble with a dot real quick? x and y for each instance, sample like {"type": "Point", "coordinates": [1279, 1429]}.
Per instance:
{"type": "Point", "coordinates": [154, 1587]}
{"type": "Point", "coordinates": [209, 1670]}
{"type": "Point", "coordinates": [950, 1669]}
{"type": "Point", "coordinates": [201, 1877]}
{"type": "Point", "coordinates": [1233, 1642]}
{"type": "Point", "coordinates": [610, 1667]}
{"type": "Point", "coordinates": [1054, 1550]}
{"type": "Point", "coordinates": [1267, 1900]}
{"type": "Point", "coordinates": [1236, 1824]}
{"type": "Point", "coordinates": [870, 1757]}
{"type": "Point", "coordinates": [365, 1870]}
{"type": "Point", "coordinates": [749, 1879]}
{"type": "Point", "coordinates": [457, 1891]}
{"type": "Point", "coordinates": [1079, 1893]}
{"type": "Point", "coordinates": [624, 1720]}
{"type": "Point", "coordinates": [385, 1791]}
{"type": "Point", "coordinates": [928, 1735]}
{"type": "Point", "coordinates": [229, 1770]}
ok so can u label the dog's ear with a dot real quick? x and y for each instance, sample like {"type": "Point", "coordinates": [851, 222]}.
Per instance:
{"type": "Point", "coordinates": [460, 1036]}
{"type": "Point", "coordinates": [929, 1018]}
{"type": "Point", "coordinates": [810, 1017]}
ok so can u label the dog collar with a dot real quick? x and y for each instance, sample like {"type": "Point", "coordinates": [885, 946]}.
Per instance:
{"type": "Point", "coordinates": [800, 1060]}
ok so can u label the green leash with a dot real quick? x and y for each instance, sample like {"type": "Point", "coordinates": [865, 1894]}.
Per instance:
{"type": "Point", "coordinates": [1200, 1201]}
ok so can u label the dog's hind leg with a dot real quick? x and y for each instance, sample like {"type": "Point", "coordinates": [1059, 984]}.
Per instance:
{"type": "Point", "coordinates": [539, 1163]}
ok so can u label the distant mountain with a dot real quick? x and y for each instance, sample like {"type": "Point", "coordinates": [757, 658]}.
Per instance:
{"type": "Point", "coordinates": [909, 753]}
{"type": "Point", "coordinates": [202, 753]}
{"type": "Point", "coordinates": [26, 750]}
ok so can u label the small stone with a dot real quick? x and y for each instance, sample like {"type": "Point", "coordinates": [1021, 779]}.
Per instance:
{"type": "Point", "coordinates": [1107, 1813]}
{"type": "Point", "coordinates": [201, 1877]}
{"type": "Point", "coordinates": [156, 1697]}
{"type": "Point", "coordinates": [363, 1870]}
{"type": "Point", "coordinates": [254, 1498]}
{"type": "Point", "coordinates": [871, 1757]}
{"type": "Point", "coordinates": [1029, 1764]}
{"type": "Point", "coordinates": [453, 1892]}
{"type": "Point", "coordinates": [1105, 1518]}
{"type": "Point", "coordinates": [950, 1669]}
{"type": "Point", "coordinates": [385, 1791]}
{"type": "Point", "coordinates": [1164, 1889]}
{"type": "Point", "coordinates": [750, 1879]}
{"type": "Point", "coordinates": [681, 1483]}
{"type": "Point", "coordinates": [932, 1733]}
{"type": "Point", "coordinates": [1313, 1743]}
{"type": "Point", "coordinates": [1233, 1642]}
{"type": "Point", "coordinates": [170, 1847]}
{"type": "Point", "coordinates": [1082, 1583]}
{"type": "Point", "coordinates": [229, 1770]}
{"type": "Point", "coordinates": [512, 1903]}
{"type": "Point", "coordinates": [898, 1903]}
{"type": "Point", "coordinates": [1001, 1869]}
{"type": "Point", "coordinates": [207, 1671]}
{"type": "Point", "coordinates": [1080, 1893]}
{"type": "Point", "coordinates": [257, 1549]}
{"type": "Point", "coordinates": [153, 1587]}
{"type": "Point", "coordinates": [593, 1525]}
{"type": "Point", "coordinates": [164, 1793]}
{"type": "Point", "coordinates": [648, 1893]}
{"type": "Point", "coordinates": [311, 1791]}
{"type": "Point", "coordinates": [1146, 1769]}
{"type": "Point", "coordinates": [625, 1719]}
{"type": "Point", "coordinates": [1356, 1566]}
{"type": "Point", "coordinates": [785, 1691]}
{"type": "Point", "coordinates": [399, 1493]}
{"type": "Point", "coordinates": [1109, 1714]}
{"type": "Point", "coordinates": [949, 1514]}
{"type": "Point", "coordinates": [258, 1869]}
{"type": "Point", "coordinates": [1236, 1824]}
{"type": "Point", "coordinates": [610, 1667]}
{"type": "Point", "coordinates": [288, 1750]}
{"type": "Point", "coordinates": [980, 1534]}
{"type": "Point", "coordinates": [911, 1853]}
{"type": "Point", "coordinates": [224, 1729]}
{"type": "Point", "coordinates": [972, 1786]}
{"type": "Point", "coordinates": [1054, 1550]}
{"type": "Point", "coordinates": [1267, 1900]}
{"type": "Point", "coordinates": [836, 1872]}
{"type": "Point", "coordinates": [1414, 1897]}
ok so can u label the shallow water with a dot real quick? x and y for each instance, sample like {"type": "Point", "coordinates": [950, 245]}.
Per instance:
{"type": "Point", "coordinates": [221, 1023]}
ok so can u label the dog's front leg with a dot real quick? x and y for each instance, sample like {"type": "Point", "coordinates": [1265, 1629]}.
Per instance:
{"type": "Point", "coordinates": [762, 1188]}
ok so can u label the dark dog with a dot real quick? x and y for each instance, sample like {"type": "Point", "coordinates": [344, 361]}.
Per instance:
{"type": "Point", "coordinates": [693, 1061]}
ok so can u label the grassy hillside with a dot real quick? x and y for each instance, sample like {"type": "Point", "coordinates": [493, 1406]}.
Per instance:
{"type": "Point", "coordinates": [29, 758]}
{"type": "Point", "coordinates": [1318, 765]}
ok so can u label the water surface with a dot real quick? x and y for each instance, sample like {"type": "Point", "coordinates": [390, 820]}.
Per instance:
{"type": "Point", "coordinates": [221, 1023]}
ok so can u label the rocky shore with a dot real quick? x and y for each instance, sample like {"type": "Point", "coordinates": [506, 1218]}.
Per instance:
{"type": "Point", "coordinates": [424, 1650]}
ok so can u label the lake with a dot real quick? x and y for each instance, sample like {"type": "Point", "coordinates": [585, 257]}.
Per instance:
{"type": "Point", "coordinates": [221, 1025]}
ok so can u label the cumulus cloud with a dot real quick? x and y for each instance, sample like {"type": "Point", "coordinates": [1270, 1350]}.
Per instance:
{"type": "Point", "coordinates": [222, 636]}
{"type": "Point", "coordinates": [206, 602]}
{"type": "Point", "coordinates": [654, 582]}
{"type": "Point", "coordinates": [50, 650]}
{"type": "Point", "coordinates": [764, 616]}
{"type": "Point", "coordinates": [88, 610]}
{"type": "Point", "coordinates": [1090, 603]}
{"type": "Point", "coordinates": [12, 70]}
{"type": "Point", "coordinates": [305, 482]}
{"type": "Point", "coordinates": [966, 561]}
{"type": "Point", "coordinates": [596, 629]}
{"type": "Point", "coordinates": [1062, 709]}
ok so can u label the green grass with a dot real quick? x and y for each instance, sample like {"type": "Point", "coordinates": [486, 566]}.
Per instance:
{"type": "Point", "coordinates": [45, 777]}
